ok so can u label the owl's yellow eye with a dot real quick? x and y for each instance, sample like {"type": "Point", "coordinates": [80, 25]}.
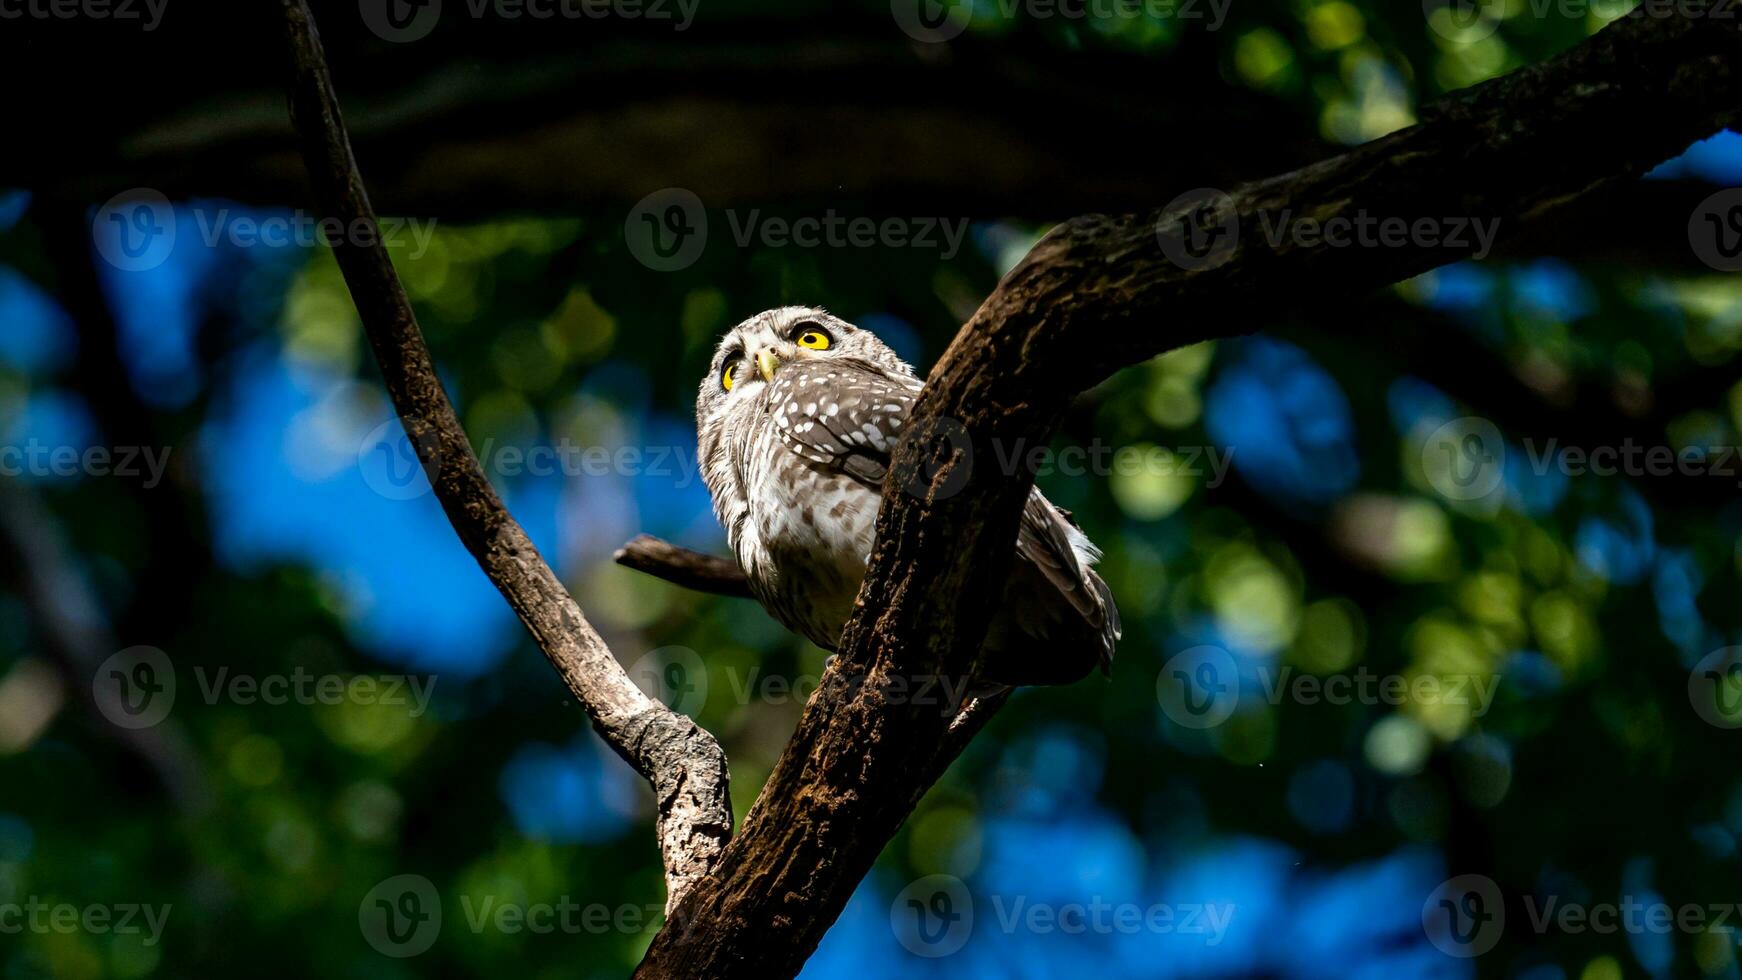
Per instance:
{"type": "Point", "coordinates": [814, 339]}
{"type": "Point", "coordinates": [730, 376]}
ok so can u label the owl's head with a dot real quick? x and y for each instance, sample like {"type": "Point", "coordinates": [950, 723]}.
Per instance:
{"type": "Point", "coordinates": [752, 353]}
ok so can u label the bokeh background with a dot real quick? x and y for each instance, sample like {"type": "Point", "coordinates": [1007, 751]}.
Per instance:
{"type": "Point", "coordinates": [286, 535]}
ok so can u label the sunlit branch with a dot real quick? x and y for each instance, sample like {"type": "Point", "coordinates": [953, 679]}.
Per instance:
{"type": "Point", "coordinates": [683, 762]}
{"type": "Point", "coordinates": [1100, 293]}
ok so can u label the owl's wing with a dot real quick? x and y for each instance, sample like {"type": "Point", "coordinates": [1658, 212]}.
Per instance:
{"type": "Point", "coordinates": [847, 415]}
{"type": "Point", "coordinates": [842, 413]}
{"type": "Point", "coordinates": [1064, 556]}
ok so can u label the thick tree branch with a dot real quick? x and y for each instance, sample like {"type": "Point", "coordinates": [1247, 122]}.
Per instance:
{"type": "Point", "coordinates": [1097, 294]}
{"type": "Point", "coordinates": [683, 762]}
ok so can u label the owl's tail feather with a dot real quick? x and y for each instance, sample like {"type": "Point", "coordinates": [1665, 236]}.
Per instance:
{"type": "Point", "coordinates": [1111, 629]}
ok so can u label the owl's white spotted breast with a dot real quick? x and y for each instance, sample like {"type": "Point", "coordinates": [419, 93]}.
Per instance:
{"type": "Point", "coordinates": [808, 460]}
{"type": "Point", "coordinates": [796, 463]}
{"type": "Point", "coordinates": [806, 538]}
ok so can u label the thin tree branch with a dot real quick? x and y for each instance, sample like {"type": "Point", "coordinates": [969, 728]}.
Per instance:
{"type": "Point", "coordinates": [681, 566]}
{"type": "Point", "coordinates": [683, 762]}
{"type": "Point", "coordinates": [1097, 294]}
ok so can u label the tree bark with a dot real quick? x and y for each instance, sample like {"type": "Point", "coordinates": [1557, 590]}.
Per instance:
{"type": "Point", "coordinates": [683, 762]}
{"type": "Point", "coordinates": [1097, 294]}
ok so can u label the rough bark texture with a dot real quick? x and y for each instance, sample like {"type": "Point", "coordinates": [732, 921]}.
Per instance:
{"type": "Point", "coordinates": [1097, 294]}
{"type": "Point", "coordinates": [683, 762]}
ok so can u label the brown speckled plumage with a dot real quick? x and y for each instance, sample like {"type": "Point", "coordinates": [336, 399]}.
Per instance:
{"type": "Point", "coordinates": [796, 461]}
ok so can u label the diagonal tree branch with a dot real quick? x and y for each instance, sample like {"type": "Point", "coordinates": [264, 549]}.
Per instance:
{"type": "Point", "coordinates": [683, 762]}
{"type": "Point", "coordinates": [1097, 294]}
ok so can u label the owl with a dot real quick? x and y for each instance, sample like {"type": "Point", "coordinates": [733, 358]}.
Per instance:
{"type": "Point", "coordinates": [796, 421]}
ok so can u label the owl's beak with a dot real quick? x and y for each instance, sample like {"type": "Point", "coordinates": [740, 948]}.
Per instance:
{"type": "Point", "coordinates": [766, 362]}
